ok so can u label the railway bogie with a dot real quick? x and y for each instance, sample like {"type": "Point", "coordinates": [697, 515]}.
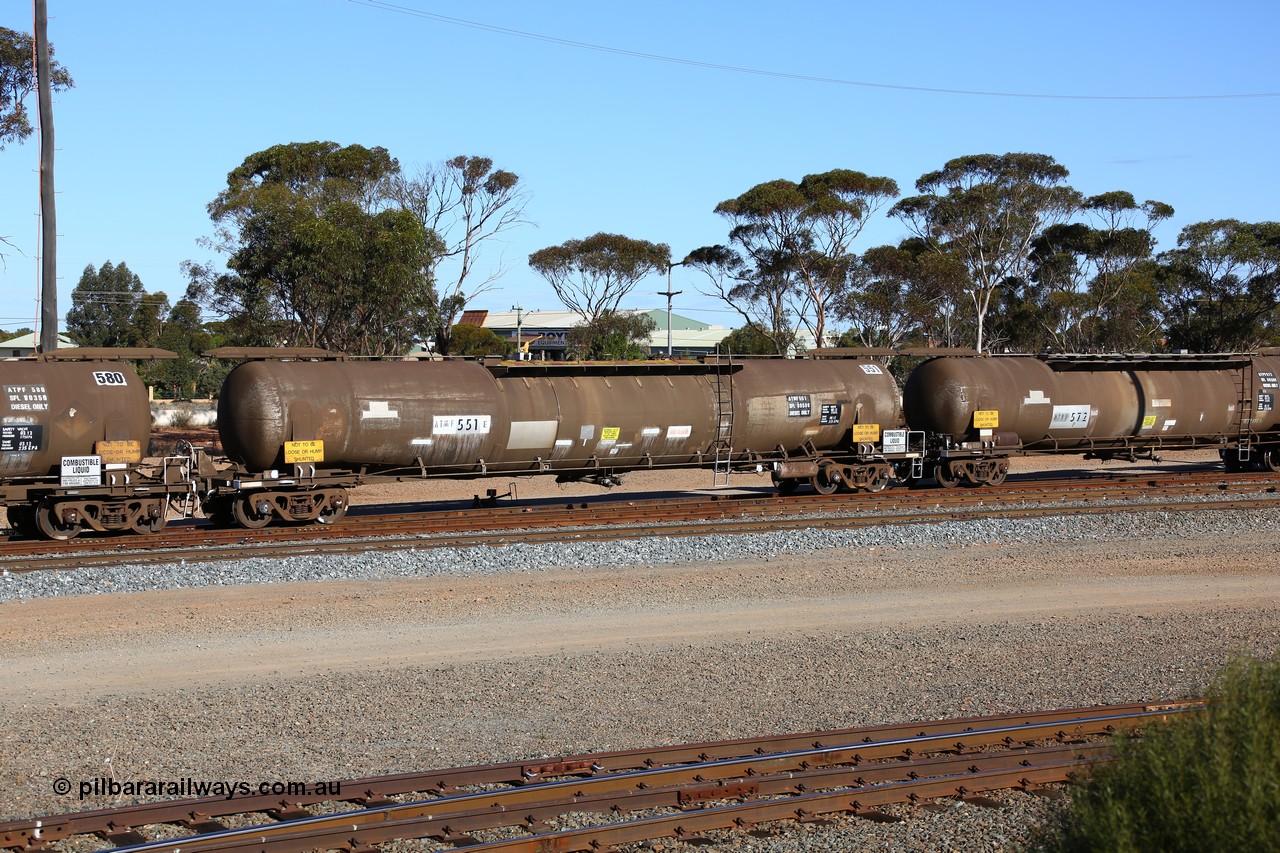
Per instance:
{"type": "Point", "coordinates": [232, 505]}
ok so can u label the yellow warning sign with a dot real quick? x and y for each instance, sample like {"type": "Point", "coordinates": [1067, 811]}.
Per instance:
{"type": "Point", "coordinates": [118, 452]}
{"type": "Point", "coordinates": [986, 419]}
{"type": "Point", "coordinates": [303, 451]}
{"type": "Point", "coordinates": [864, 433]}
{"type": "Point", "coordinates": [1148, 421]}
{"type": "Point", "coordinates": [610, 433]}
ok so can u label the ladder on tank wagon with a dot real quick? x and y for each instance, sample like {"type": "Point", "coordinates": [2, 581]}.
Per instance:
{"type": "Point", "coordinates": [723, 446]}
{"type": "Point", "coordinates": [1244, 384]}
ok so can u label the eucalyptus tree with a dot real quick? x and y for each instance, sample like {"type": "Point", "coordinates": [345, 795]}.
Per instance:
{"type": "Point", "coordinates": [757, 292]}
{"type": "Point", "coordinates": [614, 335]}
{"type": "Point", "coordinates": [319, 253]}
{"type": "Point", "coordinates": [591, 276]}
{"type": "Point", "coordinates": [1221, 285]}
{"type": "Point", "coordinates": [985, 211]}
{"type": "Point", "coordinates": [748, 340]}
{"type": "Point", "coordinates": [183, 333]}
{"type": "Point", "coordinates": [466, 203]}
{"type": "Point", "coordinates": [1087, 276]}
{"type": "Point", "coordinates": [901, 294]}
{"type": "Point", "coordinates": [791, 245]}
{"type": "Point", "coordinates": [111, 308]}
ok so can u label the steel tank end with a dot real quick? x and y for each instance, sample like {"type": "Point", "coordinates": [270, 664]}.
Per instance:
{"type": "Point", "coordinates": [935, 396]}
{"type": "Point", "coordinates": [251, 414]}
{"type": "Point", "coordinates": [1011, 392]}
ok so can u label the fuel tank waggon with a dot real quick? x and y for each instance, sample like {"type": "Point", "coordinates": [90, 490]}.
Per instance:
{"type": "Point", "coordinates": [55, 409]}
{"type": "Point", "coordinates": [1099, 404]}
{"type": "Point", "coordinates": [462, 418]}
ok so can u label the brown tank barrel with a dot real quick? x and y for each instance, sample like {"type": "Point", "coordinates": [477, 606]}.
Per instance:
{"type": "Point", "coordinates": [372, 413]}
{"type": "Point", "coordinates": [1092, 403]}
{"type": "Point", "coordinates": [463, 418]}
{"type": "Point", "coordinates": [54, 409]}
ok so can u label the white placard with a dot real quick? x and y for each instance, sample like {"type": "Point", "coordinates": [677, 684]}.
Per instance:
{"type": "Point", "coordinates": [461, 424]}
{"type": "Point", "coordinates": [82, 471]}
{"type": "Point", "coordinates": [1070, 417]}
{"type": "Point", "coordinates": [110, 378]}
{"type": "Point", "coordinates": [895, 440]}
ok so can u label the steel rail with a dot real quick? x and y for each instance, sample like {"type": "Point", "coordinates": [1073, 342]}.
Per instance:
{"type": "Point", "coordinates": [187, 541]}
{"type": "Point", "coordinates": [544, 511]}
{"type": "Point", "coordinates": [342, 542]}
{"type": "Point", "coordinates": [690, 826]}
{"type": "Point", "coordinates": [703, 780]}
{"type": "Point", "coordinates": [955, 775]}
{"type": "Point", "coordinates": [376, 790]}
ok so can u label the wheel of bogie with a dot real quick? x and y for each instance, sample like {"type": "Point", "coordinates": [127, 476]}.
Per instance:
{"type": "Point", "coordinates": [50, 525]}
{"type": "Point", "coordinates": [1271, 459]}
{"type": "Point", "coordinates": [786, 487]}
{"type": "Point", "coordinates": [242, 510]}
{"type": "Point", "coordinates": [998, 476]}
{"type": "Point", "coordinates": [147, 525]}
{"type": "Point", "coordinates": [331, 514]}
{"type": "Point", "coordinates": [946, 476]}
{"type": "Point", "coordinates": [879, 479]}
{"type": "Point", "coordinates": [826, 481]}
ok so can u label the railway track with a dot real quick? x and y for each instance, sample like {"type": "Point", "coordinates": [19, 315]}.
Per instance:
{"type": "Point", "coordinates": [634, 795]}
{"type": "Point", "coordinates": [612, 519]}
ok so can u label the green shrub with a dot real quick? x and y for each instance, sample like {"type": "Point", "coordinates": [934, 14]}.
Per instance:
{"type": "Point", "coordinates": [182, 419]}
{"type": "Point", "coordinates": [1204, 782]}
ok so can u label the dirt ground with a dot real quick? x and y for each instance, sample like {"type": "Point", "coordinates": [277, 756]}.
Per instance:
{"type": "Point", "coordinates": [340, 679]}
{"type": "Point", "coordinates": [55, 647]}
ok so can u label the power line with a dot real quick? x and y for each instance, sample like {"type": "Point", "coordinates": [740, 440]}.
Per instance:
{"type": "Point", "coordinates": [738, 69]}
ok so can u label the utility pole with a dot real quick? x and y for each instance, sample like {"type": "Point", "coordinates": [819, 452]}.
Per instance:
{"type": "Point", "coordinates": [519, 319]}
{"type": "Point", "coordinates": [670, 293]}
{"type": "Point", "coordinates": [48, 220]}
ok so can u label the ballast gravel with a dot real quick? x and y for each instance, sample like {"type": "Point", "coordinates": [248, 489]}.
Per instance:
{"type": "Point", "coordinates": [651, 550]}
{"type": "Point", "coordinates": [345, 724]}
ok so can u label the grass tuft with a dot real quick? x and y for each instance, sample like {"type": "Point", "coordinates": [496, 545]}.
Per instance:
{"type": "Point", "coordinates": [1204, 782]}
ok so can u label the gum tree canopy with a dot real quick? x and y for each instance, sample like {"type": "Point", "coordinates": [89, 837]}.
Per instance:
{"type": "Point", "coordinates": [320, 255]}
{"type": "Point", "coordinates": [592, 275]}
{"type": "Point", "coordinates": [985, 210]}
{"type": "Point", "coordinates": [18, 80]}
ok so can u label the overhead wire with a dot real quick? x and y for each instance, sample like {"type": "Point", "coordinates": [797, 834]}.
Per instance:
{"type": "Point", "coordinates": [381, 5]}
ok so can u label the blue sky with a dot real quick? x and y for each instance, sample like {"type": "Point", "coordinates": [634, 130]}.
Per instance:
{"type": "Point", "coordinates": [170, 97]}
